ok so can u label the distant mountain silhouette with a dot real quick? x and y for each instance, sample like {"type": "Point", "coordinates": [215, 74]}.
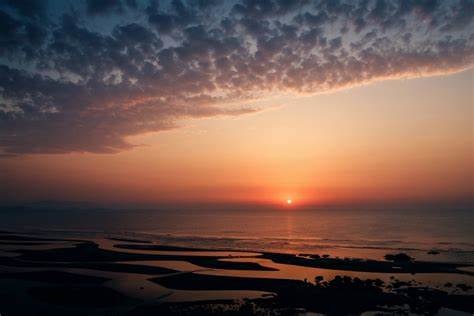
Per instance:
{"type": "Point", "coordinates": [48, 205]}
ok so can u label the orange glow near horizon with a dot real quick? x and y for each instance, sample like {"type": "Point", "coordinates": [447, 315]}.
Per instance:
{"type": "Point", "coordinates": [390, 141]}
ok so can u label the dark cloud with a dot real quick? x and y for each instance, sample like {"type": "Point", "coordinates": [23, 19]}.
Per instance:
{"type": "Point", "coordinates": [96, 7]}
{"type": "Point", "coordinates": [165, 22]}
{"type": "Point", "coordinates": [463, 15]}
{"type": "Point", "coordinates": [69, 85]}
{"type": "Point", "coordinates": [131, 4]}
{"type": "Point", "coordinates": [19, 36]}
{"type": "Point", "coordinates": [29, 8]}
{"type": "Point", "coordinates": [267, 8]}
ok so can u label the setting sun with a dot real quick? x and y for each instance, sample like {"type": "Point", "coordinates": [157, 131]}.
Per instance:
{"type": "Point", "coordinates": [289, 201]}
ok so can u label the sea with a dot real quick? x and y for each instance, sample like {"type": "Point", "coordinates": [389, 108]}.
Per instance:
{"type": "Point", "coordinates": [433, 235]}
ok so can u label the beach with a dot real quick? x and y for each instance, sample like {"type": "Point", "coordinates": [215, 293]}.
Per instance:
{"type": "Point", "coordinates": [111, 273]}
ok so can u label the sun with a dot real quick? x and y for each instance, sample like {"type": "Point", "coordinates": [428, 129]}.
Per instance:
{"type": "Point", "coordinates": [289, 201]}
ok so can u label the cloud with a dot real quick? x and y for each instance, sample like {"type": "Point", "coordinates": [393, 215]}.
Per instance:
{"type": "Point", "coordinates": [70, 84]}
{"type": "Point", "coordinates": [28, 8]}
{"type": "Point", "coordinates": [98, 7]}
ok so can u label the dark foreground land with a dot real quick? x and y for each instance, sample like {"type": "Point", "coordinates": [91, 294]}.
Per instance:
{"type": "Point", "coordinates": [51, 276]}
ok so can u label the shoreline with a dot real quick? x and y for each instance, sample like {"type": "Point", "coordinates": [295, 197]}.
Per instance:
{"type": "Point", "coordinates": [443, 252]}
{"type": "Point", "coordinates": [56, 267]}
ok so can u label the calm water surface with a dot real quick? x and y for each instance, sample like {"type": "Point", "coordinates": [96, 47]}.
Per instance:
{"type": "Point", "coordinates": [355, 233]}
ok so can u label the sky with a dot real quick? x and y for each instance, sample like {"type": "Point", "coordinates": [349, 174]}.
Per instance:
{"type": "Point", "coordinates": [153, 102]}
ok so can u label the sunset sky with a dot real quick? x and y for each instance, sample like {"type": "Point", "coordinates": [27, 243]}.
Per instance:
{"type": "Point", "coordinates": [324, 103]}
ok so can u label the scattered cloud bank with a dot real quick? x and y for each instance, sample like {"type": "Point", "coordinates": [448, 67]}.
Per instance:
{"type": "Point", "coordinates": [83, 76]}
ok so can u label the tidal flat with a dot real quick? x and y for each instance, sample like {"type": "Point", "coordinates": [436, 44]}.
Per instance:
{"type": "Point", "coordinates": [103, 275]}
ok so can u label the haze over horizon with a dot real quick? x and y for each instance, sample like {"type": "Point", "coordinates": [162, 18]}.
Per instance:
{"type": "Point", "coordinates": [237, 102]}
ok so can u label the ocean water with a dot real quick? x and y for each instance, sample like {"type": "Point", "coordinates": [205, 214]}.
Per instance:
{"type": "Point", "coordinates": [342, 233]}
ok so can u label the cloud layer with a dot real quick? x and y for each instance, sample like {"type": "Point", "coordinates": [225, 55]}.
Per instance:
{"type": "Point", "coordinates": [84, 76]}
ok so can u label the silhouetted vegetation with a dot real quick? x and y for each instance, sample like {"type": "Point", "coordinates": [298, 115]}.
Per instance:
{"type": "Point", "coordinates": [339, 296]}
{"type": "Point", "coordinates": [399, 258]}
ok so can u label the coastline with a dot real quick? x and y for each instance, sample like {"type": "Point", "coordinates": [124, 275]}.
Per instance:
{"type": "Point", "coordinates": [129, 275]}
